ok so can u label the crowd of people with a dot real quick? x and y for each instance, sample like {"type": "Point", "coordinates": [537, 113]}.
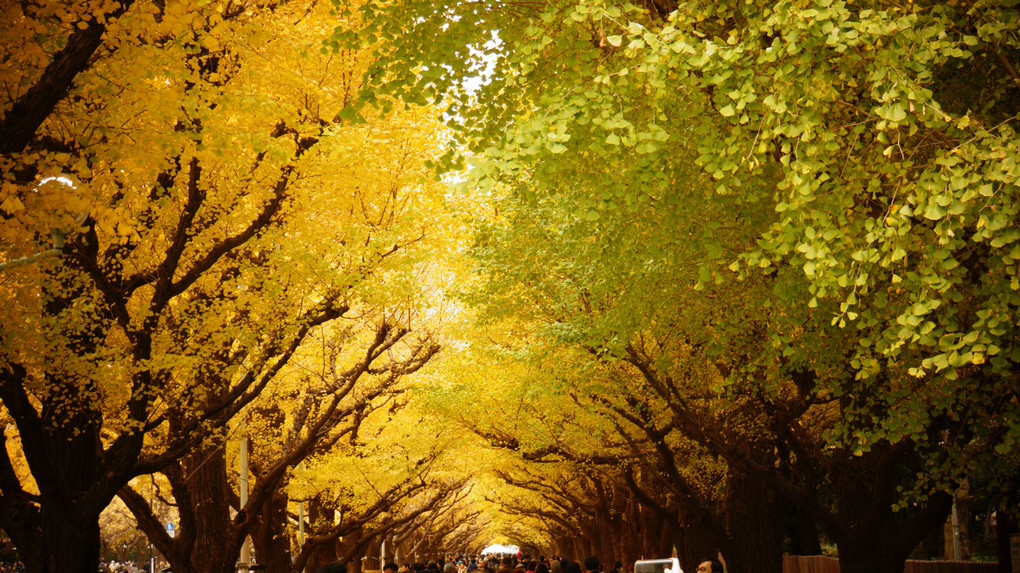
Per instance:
{"type": "Point", "coordinates": [461, 564]}
{"type": "Point", "coordinates": [104, 567]}
{"type": "Point", "coordinates": [125, 567]}
{"type": "Point", "coordinates": [514, 564]}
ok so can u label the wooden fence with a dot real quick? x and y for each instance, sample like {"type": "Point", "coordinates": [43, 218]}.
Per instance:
{"type": "Point", "coordinates": [810, 564]}
{"type": "Point", "coordinates": [951, 566]}
{"type": "Point", "coordinates": [822, 564]}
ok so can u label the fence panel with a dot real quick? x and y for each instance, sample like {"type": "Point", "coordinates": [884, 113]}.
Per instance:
{"type": "Point", "coordinates": [913, 566]}
{"type": "Point", "coordinates": [822, 564]}
{"type": "Point", "coordinates": [810, 564]}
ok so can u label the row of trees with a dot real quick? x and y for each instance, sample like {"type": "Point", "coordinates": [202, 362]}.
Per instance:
{"type": "Point", "coordinates": [752, 264]}
{"type": "Point", "coordinates": [201, 241]}
{"type": "Point", "coordinates": [740, 264]}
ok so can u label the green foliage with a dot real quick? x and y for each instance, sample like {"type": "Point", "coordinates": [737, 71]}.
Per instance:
{"type": "Point", "coordinates": [867, 153]}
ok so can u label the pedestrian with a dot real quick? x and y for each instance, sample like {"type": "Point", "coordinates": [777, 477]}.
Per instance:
{"type": "Point", "coordinates": [710, 566]}
{"type": "Point", "coordinates": [506, 565]}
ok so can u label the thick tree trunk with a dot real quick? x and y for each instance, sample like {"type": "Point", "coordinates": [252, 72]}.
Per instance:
{"type": "Point", "coordinates": [882, 545]}
{"type": "Point", "coordinates": [882, 558]}
{"type": "Point", "coordinates": [574, 548]}
{"type": "Point", "coordinates": [587, 546]}
{"type": "Point", "coordinates": [693, 543]}
{"type": "Point", "coordinates": [320, 556]}
{"type": "Point", "coordinates": [662, 544]}
{"type": "Point", "coordinates": [564, 547]}
{"type": "Point", "coordinates": [61, 538]}
{"type": "Point", "coordinates": [352, 549]}
{"type": "Point", "coordinates": [206, 472]}
{"type": "Point", "coordinates": [60, 532]}
{"type": "Point", "coordinates": [207, 539]}
{"type": "Point", "coordinates": [872, 538]}
{"type": "Point", "coordinates": [69, 544]}
{"type": "Point", "coordinates": [322, 553]}
{"type": "Point", "coordinates": [603, 542]}
{"type": "Point", "coordinates": [754, 525]}
{"type": "Point", "coordinates": [629, 546]}
{"type": "Point", "coordinates": [803, 532]}
{"type": "Point", "coordinates": [270, 536]}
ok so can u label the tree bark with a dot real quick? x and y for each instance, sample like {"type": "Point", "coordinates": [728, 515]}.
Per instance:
{"type": "Point", "coordinates": [321, 553]}
{"type": "Point", "coordinates": [71, 542]}
{"type": "Point", "coordinates": [870, 536]}
{"type": "Point", "coordinates": [883, 543]}
{"type": "Point", "coordinates": [802, 531]}
{"type": "Point", "coordinates": [270, 536]}
{"type": "Point", "coordinates": [693, 543]}
{"type": "Point", "coordinates": [207, 539]}
{"type": "Point", "coordinates": [57, 531]}
{"type": "Point", "coordinates": [754, 526]}
{"type": "Point", "coordinates": [209, 495]}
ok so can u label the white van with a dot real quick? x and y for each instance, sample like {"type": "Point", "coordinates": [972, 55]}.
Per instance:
{"type": "Point", "coordinates": [658, 566]}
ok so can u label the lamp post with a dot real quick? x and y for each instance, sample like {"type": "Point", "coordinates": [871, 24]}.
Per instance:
{"type": "Point", "coordinates": [300, 515]}
{"type": "Point", "coordinates": [244, 562]}
{"type": "Point", "coordinates": [957, 552]}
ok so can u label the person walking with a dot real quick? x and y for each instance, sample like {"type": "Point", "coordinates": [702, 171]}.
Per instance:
{"type": "Point", "coordinates": [710, 566]}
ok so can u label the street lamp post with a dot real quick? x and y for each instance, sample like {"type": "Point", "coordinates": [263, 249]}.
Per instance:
{"type": "Point", "coordinates": [245, 558]}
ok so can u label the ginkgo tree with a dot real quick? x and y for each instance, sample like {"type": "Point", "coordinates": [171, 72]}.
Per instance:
{"type": "Point", "coordinates": [209, 205]}
{"type": "Point", "coordinates": [565, 417]}
{"type": "Point", "coordinates": [883, 134]}
{"type": "Point", "coordinates": [867, 155]}
{"type": "Point", "coordinates": [391, 474]}
{"type": "Point", "coordinates": [696, 363]}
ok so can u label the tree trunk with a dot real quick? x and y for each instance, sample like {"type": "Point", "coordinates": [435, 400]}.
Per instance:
{"type": "Point", "coordinates": [270, 537]}
{"type": "Point", "coordinates": [322, 554]}
{"type": "Point", "coordinates": [352, 549]}
{"type": "Point", "coordinates": [754, 526]}
{"type": "Point", "coordinates": [319, 516]}
{"type": "Point", "coordinates": [68, 543]}
{"type": "Point", "coordinates": [206, 472]}
{"type": "Point", "coordinates": [59, 533]}
{"type": "Point", "coordinates": [573, 548]}
{"type": "Point", "coordinates": [873, 538]}
{"type": "Point", "coordinates": [803, 532]}
{"type": "Point", "coordinates": [693, 543]}
{"type": "Point", "coordinates": [880, 558]}
{"type": "Point", "coordinates": [564, 547]}
{"type": "Point", "coordinates": [587, 546]}
{"type": "Point", "coordinates": [207, 538]}
{"type": "Point", "coordinates": [883, 545]}
{"type": "Point", "coordinates": [661, 544]}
